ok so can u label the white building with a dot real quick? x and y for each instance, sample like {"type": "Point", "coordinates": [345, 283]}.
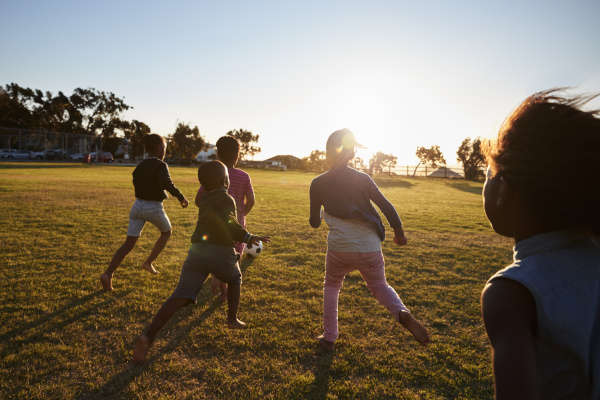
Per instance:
{"type": "Point", "coordinates": [206, 153]}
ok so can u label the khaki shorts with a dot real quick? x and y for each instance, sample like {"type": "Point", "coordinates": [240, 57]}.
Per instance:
{"type": "Point", "coordinates": [144, 211]}
{"type": "Point", "coordinates": [204, 259]}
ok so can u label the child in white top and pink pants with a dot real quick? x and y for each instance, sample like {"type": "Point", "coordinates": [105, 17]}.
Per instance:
{"type": "Point", "coordinates": [355, 235]}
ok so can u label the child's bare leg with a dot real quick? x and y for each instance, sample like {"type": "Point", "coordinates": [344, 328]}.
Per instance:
{"type": "Point", "coordinates": [233, 302]}
{"type": "Point", "coordinates": [120, 254]}
{"type": "Point", "coordinates": [418, 331]}
{"type": "Point", "coordinates": [168, 309]}
{"type": "Point", "coordinates": [223, 286]}
{"type": "Point", "coordinates": [160, 244]}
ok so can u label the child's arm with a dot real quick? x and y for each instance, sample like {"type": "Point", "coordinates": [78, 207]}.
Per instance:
{"type": "Point", "coordinates": [250, 201]}
{"type": "Point", "coordinates": [509, 316]}
{"type": "Point", "coordinates": [315, 207]}
{"type": "Point", "coordinates": [165, 182]}
{"type": "Point", "coordinates": [199, 196]}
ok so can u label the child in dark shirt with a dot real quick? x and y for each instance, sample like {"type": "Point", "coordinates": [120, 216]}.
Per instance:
{"type": "Point", "coordinates": [212, 252]}
{"type": "Point", "coordinates": [150, 178]}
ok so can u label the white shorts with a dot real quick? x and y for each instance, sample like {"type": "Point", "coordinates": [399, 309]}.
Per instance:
{"type": "Point", "coordinates": [144, 211]}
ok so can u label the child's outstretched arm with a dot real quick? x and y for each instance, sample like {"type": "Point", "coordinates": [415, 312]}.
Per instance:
{"type": "Point", "coordinates": [255, 239]}
{"type": "Point", "coordinates": [315, 207]}
{"type": "Point", "coordinates": [509, 316]}
{"type": "Point", "coordinates": [184, 203]}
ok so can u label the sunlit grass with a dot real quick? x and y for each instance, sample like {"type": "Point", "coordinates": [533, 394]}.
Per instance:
{"type": "Point", "coordinates": [62, 337]}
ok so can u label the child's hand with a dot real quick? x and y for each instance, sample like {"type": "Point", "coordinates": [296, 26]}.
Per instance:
{"type": "Point", "coordinates": [184, 203]}
{"type": "Point", "coordinates": [255, 239]}
{"type": "Point", "coordinates": [399, 237]}
{"type": "Point", "coordinates": [400, 240]}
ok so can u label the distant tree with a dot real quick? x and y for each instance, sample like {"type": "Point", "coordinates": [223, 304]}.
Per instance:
{"type": "Point", "coordinates": [246, 139]}
{"type": "Point", "coordinates": [357, 163]}
{"type": "Point", "coordinates": [134, 131]}
{"type": "Point", "coordinates": [315, 162]}
{"type": "Point", "coordinates": [185, 142]}
{"type": "Point", "coordinates": [86, 111]}
{"type": "Point", "coordinates": [430, 156]}
{"type": "Point", "coordinates": [470, 155]}
{"type": "Point", "coordinates": [14, 111]}
{"type": "Point", "coordinates": [100, 111]}
{"type": "Point", "coordinates": [380, 161]}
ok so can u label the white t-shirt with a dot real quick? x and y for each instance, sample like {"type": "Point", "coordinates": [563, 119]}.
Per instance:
{"type": "Point", "coordinates": [351, 235]}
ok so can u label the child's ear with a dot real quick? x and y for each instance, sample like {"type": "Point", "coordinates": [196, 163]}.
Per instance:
{"type": "Point", "coordinates": [505, 193]}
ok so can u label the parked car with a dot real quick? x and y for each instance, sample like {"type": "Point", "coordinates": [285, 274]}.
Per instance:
{"type": "Point", "coordinates": [48, 154]}
{"type": "Point", "coordinates": [76, 157]}
{"type": "Point", "coordinates": [14, 154]}
{"type": "Point", "coordinates": [103, 157]}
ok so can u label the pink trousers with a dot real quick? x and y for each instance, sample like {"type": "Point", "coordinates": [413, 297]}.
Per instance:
{"type": "Point", "coordinates": [372, 268]}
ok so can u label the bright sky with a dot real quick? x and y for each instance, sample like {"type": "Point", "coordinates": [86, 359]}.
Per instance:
{"type": "Point", "coordinates": [399, 74]}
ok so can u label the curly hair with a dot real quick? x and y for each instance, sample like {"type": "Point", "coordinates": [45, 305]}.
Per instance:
{"type": "Point", "coordinates": [228, 148]}
{"type": "Point", "coordinates": [211, 174]}
{"type": "Point", "coordinates": [548, 150]}
{"type": "Point", "coordinates": [152, 141]}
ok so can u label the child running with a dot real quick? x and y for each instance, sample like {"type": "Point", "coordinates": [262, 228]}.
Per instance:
{"type": "Point", "coordinates": [240, 188]}
{"type": "Point", "coordinates": [212, 252]}
{"type": "Point", "coordinates": [542, 312]}
{"type": "Point", "coordinates": [355, 235]}
{"type": "Point", "coordinates": [150, 178]}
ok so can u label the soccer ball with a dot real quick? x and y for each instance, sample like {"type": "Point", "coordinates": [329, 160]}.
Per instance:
{"type": "Point", "coordinates": [253, 251]}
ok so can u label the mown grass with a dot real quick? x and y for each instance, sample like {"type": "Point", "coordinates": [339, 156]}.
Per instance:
{"type": "Point", "coordinates": [61, 336]}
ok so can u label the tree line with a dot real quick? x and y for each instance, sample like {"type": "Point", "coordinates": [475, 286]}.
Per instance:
{"type": "Point", "coordinates": [469, 154]}
{"type": "Point", "coordinates": [101, 115]}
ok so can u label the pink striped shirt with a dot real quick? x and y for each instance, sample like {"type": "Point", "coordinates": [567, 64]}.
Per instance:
{"type": "Point", "coordinates": [239, 186]}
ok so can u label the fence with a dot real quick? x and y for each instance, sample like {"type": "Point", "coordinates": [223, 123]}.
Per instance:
{"type": "Point", "coordinates": [450, 172]}
{"type": "Point", "coordinates": [33, 140]}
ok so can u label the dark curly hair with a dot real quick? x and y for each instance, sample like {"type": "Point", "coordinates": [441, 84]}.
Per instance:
{"type": "Point", "coordinates": [152, 141]}
{"type": "Point", "coordinates": [228, 149]}
{"type": "Point", "coordinates": [211, 173]}
{"type": "Point", "coordinates": [548, 151]}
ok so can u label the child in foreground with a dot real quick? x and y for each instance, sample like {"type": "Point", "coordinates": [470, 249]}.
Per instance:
{"type": "Point", "coordinates": [212, 252]}
{"type": "Point", "coordinates": [150, 178]}
{"type": "Point", "coordinates": [542, 313]}
{"type": "Point", "coordinates": [240, 188]}
{"type": "Point", "coordinates": [355, 235]}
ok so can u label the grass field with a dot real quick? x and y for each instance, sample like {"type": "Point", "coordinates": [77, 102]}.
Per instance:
{"type": "Point", "coordinates": [62, 337]}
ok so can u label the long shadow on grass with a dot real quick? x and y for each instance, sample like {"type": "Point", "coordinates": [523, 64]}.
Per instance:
{"type": "Point", "coordinates": [322, 373]}
{"type": "Point", "coordinates": [393, 183]}
{"type": "Point", "coordinates": [169, 339]}
{"type": "Point", "coordinates": [52, 318]}
{"type": "Point", "coordinates": [465, 187]}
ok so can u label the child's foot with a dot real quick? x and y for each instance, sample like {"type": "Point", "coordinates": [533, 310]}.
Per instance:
{"type": "Point", "coordinates": [326, 344]}
{"type": "Point", "coordinates": [106, 282]}
{"type": "Point", "coordinates": [150, 268]}
{"type": "Point", "coordinates": [237, 324]}
{"type": "Point", "coordinates": [141, 349]}
{"type": "Point", "coordinates": [418, 331]}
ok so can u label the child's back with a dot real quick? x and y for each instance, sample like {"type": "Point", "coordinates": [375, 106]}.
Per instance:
{"type": "Point", "coordinates": [355, 235]}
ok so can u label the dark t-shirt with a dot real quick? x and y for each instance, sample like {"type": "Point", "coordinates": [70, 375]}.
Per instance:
{"type": "Point", "coordinates": [151, 178]}
{"type": "Point", "coordinates": [217, 220]}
